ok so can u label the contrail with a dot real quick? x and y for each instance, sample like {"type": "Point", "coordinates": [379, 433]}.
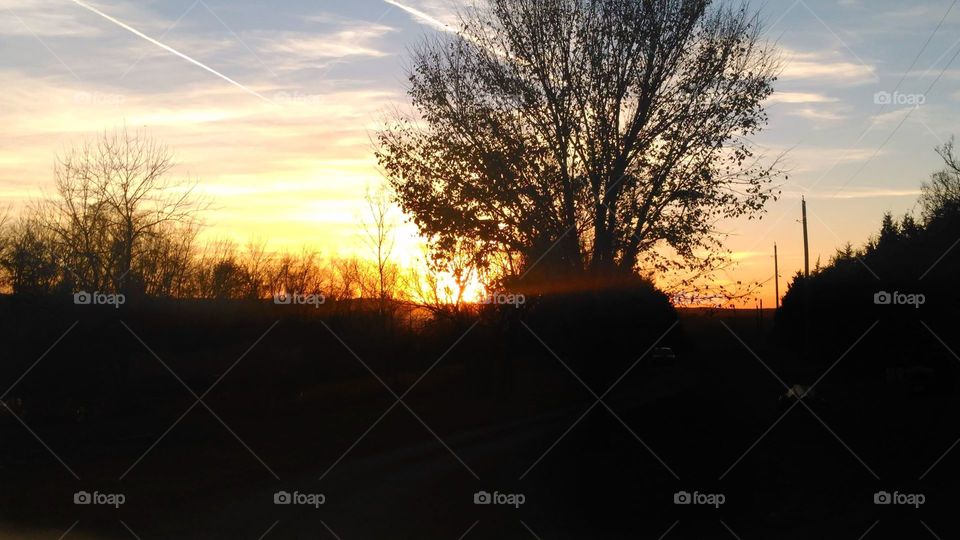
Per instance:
{"type": "Point", "coordinates": [170, 49]}
{"type": "Point", "coordinates": [440, 25]}
{"type": "Point", "coordinates": [420, 15]}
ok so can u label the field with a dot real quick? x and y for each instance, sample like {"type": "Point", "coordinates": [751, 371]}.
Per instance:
{"type": "Point", "coordinates": [199, 421]}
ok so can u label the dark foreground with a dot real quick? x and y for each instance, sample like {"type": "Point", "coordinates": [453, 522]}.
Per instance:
{"type": "Point", "coordinates": [199, 453]}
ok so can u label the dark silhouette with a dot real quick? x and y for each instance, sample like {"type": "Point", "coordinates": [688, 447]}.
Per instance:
{"type": "Point", "coordinates": [904, 277]}
{"type": "Point", "coordinates": [558, 139]}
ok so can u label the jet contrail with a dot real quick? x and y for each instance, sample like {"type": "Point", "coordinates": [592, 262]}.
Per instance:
{"type": "Point", "coordinates": [440, 25]}
{"type": "Point", "coordinates": [169, 49]}
{"type": "Point", "coordinates": [420, 15]}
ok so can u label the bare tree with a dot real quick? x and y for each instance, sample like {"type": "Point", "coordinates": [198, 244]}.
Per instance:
{"type": "Point", "coordinates": [256, 263]}
{"type": "Point", "coordinates": [166, 261]}
{"type": "Point", "coordinates": [302, 274]}
{"type": "Point", "coordinates": [379, 229]}
{"type": "Point", "coordinates": [351, 279]}
{"type": "Point", "coordinates": [441, 283]}
{"type": "Point", "coordinates": [29, 257]}
{"type": "Point", "coordinates": [113, 192]}
{"type": "Point", "coordinates": [941, 195]}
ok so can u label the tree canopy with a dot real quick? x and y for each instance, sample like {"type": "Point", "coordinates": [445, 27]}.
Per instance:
{"type": "Point", "coordinates": [584, 135]}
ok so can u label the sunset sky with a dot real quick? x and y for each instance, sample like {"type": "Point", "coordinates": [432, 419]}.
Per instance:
{"type": "Point", "coordinates": [276, 125]}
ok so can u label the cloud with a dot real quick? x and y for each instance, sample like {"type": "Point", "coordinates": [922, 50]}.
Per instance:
{"type": "Point", "coordinates": [169, 49]}
{"type": "Point", "coordinates": [821, 66]}
{"type": "Point", "coordinates": [38, 18]}
{"type": "Point", "coordinates": [811, 113]}
{"type": "Point", "coordinates": [809, 105]}
{"type": "Point", "coordinates": [892, 117]}
{"type": "Point", "coordinates": [800, 97]}
{"type": "Point", "coordinates": [824, 191]}
{"type": "Point", "coordinates": [297, 50]}
{"type": "Point", "coordinates": [870, 193]}
{"type": "Point", "coordinates": [744, 255]}
{"type": "Point", "coordinates": [810, 159]}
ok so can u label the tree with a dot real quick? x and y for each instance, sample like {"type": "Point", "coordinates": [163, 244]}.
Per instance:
{"type": "Point", "coordinates": [379, 236]}
{"type": "Point", "coordinates": [441, 284]}
{"type": "Point", "coordinates": [301, 274]}
{"type": "Point", "coordinates": [113, 192]}
{"type": "Point", "coordinates": [256, 262]}
{"type": "Point", "coordinates": [910, 230]}
{"type": "Point", "coordinates": [166, 261]}
{"type": "Point", "coordinates": [940, 197]}
{"type": "Point", "coordinates": [28, 258]}
{"type": "Point", "coordinates": [889, 232]}
{"type": "Point", "coordinates": [580, 135]}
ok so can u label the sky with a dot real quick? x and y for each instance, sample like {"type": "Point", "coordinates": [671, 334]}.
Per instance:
{"type": "Point", "coordinates": [271, 107]}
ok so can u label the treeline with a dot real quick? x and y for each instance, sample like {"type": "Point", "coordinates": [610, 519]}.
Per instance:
{"type": "Point", "coordinates": [904, 277]}
{"type": "Point", "coordinates": [119, 222]}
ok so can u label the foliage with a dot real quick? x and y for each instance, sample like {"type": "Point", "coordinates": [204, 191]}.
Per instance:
{"type": "Point", "coordinates": [579, 136]}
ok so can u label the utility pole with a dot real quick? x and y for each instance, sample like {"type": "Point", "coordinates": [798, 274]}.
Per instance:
{"type": "Point", "coordinates": [806, 282]}
{"type": "Point", "coordinates": [806, 245]}
{"type": "Point", "coordinates": [776, 277]}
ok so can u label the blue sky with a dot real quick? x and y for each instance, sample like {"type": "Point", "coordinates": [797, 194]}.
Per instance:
{"type": "Point", "coordinates": [293, 167]}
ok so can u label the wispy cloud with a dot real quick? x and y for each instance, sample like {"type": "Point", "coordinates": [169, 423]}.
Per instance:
{"type": "Point", "coordinates": [820, 66]}
{"type": "Point", "coordinates": [800, 97]}
{"type": "Point", "coordinates": [812, 113]}
{"type": "Point", "coordinates": [808, 159]}
{"type": "Point", "coordinates": [297, 50]}
{"type": "Point", "coordinates": [872, 193]}
{"type": "Point", "coordinates": [169, 49]}
{"type": "Point", "coordinates": [36, 18]}
{"type": "Point", "coordinates": [851, 193]}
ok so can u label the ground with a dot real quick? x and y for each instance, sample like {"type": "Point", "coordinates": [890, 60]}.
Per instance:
{"type": "Point", "coordinates": [588, 464]}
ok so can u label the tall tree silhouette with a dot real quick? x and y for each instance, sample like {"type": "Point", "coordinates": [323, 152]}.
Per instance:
{"type": "Point", "coordinates": [113, 193]}
{"type": "Point", "coordinates": [582, 134]}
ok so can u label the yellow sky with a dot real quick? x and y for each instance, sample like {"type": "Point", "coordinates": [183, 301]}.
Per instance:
{"type": "Point", "coordinates": [293, 168]}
